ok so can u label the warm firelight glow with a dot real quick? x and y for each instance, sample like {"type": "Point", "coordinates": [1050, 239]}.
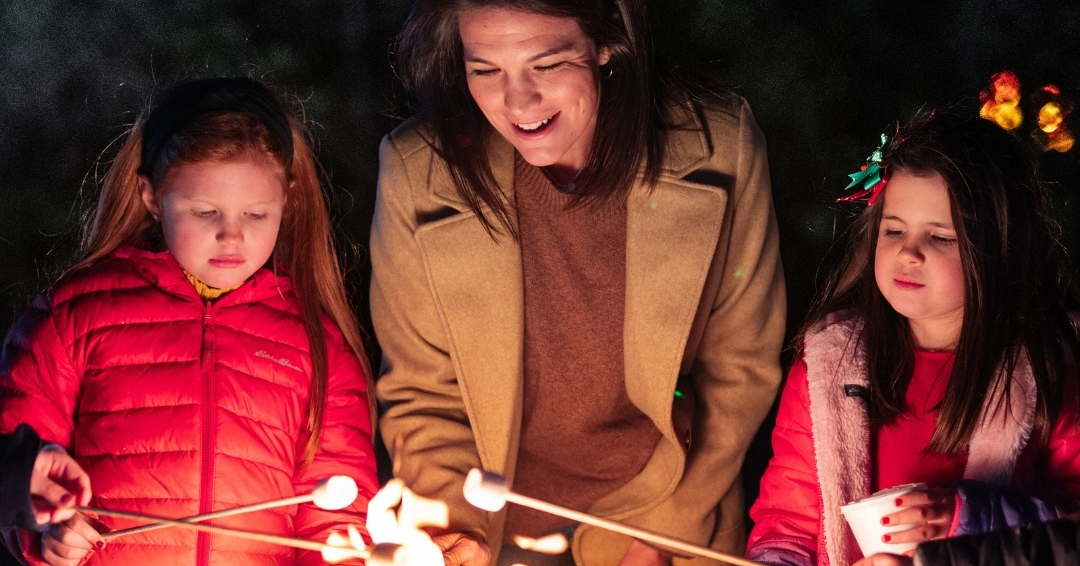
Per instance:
{"type": "Point", "coordinates": [1001, 102]}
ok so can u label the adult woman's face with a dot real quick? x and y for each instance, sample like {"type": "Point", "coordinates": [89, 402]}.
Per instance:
{"type": "Point", "coordinates": [536, 79]}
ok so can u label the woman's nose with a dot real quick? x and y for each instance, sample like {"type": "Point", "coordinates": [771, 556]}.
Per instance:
{"type": "Point", "coordinates": [520, 94]}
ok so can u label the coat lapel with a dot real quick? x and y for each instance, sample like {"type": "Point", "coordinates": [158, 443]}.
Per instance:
{"type": "Point", "coordinates": [477, 282]}
{"type": "Point", "coordinates": [663, 286]}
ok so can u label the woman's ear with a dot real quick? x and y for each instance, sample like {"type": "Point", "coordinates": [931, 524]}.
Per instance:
{"type": "Point", "coordinates": [604, 55]}
{"type": "Point", "coordinates": [146, 191]}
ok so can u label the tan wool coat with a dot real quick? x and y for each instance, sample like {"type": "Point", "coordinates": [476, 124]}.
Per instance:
{"type": "Point", "coordinates": [704, 301]}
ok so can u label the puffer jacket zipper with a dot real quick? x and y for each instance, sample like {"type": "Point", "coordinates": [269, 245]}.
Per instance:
{"type": "Point", "coordinates": [207, 365]}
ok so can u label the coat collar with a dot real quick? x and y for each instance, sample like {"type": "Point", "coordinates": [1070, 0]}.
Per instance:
{"type": "Point", "coordinates": [162, 269]}
{"type": "Point", "coordinates": [477, 282]}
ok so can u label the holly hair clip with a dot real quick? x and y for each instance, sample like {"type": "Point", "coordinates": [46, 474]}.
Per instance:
{"type": "Point", "coordinates": [871, 177]}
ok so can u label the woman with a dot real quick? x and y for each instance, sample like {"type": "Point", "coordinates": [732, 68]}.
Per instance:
{"type": "Point", "coordinates": [568, 252]}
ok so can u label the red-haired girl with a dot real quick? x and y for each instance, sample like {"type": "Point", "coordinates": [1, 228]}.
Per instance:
{"type": "Point", "coordinates": [201, 354]}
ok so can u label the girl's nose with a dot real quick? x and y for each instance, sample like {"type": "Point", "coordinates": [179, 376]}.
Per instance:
{"type": "Point", "coordinates": [910, 252]}
{"type": "Point", "coordinates": [230, 232]}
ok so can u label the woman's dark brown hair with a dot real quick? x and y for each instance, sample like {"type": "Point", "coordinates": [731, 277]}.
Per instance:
{"type": "Point", "coordinates": [629, 128]}
{"type": "Point", "coordinates": [1016, 291]}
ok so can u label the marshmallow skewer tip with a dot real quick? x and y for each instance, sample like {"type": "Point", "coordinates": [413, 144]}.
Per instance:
{"type": "Point", "coordinates": [488, 491]}
{"type": "Point", "coordinates": [332, 493]}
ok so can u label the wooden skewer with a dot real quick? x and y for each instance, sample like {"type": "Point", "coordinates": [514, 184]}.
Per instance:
{"type": "Point", "coordinates": [238, 533]}
{"type": "Point", "coordinates": [490, 487]}
{"type": "Point", "coordinates": [333, 493]}
{"type": "Point", "coordinates": [209, 516]}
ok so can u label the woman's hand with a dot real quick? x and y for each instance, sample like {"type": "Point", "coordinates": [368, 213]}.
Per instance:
{"type": "Point", "coordinates": [70, 542]}
{"type": "Point", "coordinates": [460, 549]}
{"type": "Point", "coordinates": [883, 559]}
{"type": "Point", "coordinates": [57, 484]}
{"type": "Point", "coordinates": [929, 514]}
{"type": "Point", "coordinates": [641, 554]}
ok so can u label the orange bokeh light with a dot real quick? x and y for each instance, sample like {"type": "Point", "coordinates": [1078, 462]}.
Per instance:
{"type": "Point", "coordinates": [1001, 102]}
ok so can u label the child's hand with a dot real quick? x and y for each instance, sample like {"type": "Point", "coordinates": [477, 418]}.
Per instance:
{"type": "Point", "coordinates": [57, 484]}
{"type": "Point", "coordinates": [929, 514]}
{"type": "Point", "coordinates": [70, 542]}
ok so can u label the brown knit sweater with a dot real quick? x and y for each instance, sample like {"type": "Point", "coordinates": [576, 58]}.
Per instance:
{"type": "Point", "coordinates": [581, 436]}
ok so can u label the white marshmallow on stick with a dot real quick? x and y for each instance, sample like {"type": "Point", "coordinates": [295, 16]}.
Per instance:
{"type": "Point", "coordinates": [489, 492]}
{"type": "Point", "coordinates": [332, 493]}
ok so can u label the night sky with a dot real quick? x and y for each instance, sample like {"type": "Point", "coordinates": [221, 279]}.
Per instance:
{"type": "Point", "coordinates": [824, 80]}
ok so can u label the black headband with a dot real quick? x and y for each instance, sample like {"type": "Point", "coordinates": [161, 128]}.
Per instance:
{"type": "Point", "coordinates": [190, 100]}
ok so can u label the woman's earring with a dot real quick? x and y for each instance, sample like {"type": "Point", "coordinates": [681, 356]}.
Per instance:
{"type": "Point", "coordinates": [610, 70]}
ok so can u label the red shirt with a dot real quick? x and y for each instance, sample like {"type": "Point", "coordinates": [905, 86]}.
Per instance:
{"type": "Point", "coordinates": [897, 448]}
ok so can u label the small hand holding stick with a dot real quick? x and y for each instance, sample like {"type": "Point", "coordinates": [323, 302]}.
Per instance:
{"type": "Point", "coordinates": [333, 493]}
{"type": "Point", "coordinates": [489, 492]}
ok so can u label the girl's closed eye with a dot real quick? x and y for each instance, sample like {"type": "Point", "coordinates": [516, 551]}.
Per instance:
{"type": "Point", "coordinates": [943, 239]}
{"type": "Point", "coordinates": [203, 213]}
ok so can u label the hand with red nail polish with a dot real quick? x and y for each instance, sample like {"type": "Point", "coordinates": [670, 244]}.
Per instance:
{"type": "Point", "coordinates": [70, 542]}
{"type": "Point", "coordinates": [928, 513]}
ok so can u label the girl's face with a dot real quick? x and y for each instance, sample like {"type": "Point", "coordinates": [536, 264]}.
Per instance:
{"type": "Point", "coordinates": [917, 262]}
{"type": "Point", "coordinates": [536, 79]}
{"type": "Point", "coordinates": [220, 219]}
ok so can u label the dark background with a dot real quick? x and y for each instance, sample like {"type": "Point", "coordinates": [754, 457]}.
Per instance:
{"type": "Point", "coordinates": [824, 79]}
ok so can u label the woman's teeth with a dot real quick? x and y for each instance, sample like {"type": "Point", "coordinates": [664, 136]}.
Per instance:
{"type": "Point", "coordinates": [534, 125]}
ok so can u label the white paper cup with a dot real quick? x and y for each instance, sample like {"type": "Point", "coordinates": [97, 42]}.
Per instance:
{"type": "Point", "coordinates": [864, 518]}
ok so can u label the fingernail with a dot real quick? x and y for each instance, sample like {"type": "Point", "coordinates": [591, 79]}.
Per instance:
{"type": "Point", "coordinates": [899, 502]}
{"type": "Point", "coordinates": [884, 520]}
{"type": "Point", "coordinates": [886, 538]}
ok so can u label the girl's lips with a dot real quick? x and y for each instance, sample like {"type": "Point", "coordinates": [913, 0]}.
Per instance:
{"type": "Point", "coordinates": [227, 261]}
{"type": "Point", "coordinates": [907, 285]}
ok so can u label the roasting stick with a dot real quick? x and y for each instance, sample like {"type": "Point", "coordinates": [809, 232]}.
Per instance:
{"type": "Point", "coordinates": [346, 552]}
{"type": "Point", "coordinates": [333, 493]}
{"type": "Point", "coordinates": [489, 492]}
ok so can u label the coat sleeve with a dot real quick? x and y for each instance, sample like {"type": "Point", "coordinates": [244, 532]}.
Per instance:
{"type": "Point", "coordinates": [984, 507]}
{"type": "Point", "coordinates": [18, 452]}
{"type": "Point", "coordinates": [1055, 543]}
{"type": "Point", "coordinates": [346, 448]}
{"type": "Point", "coordinates": [425, 424]}
{"type": "Point", "coordinates": [787, 512]}
{"type": "Point", "coordinates": [39, 386]}
{"type": "Point", "coordinates": [737, 371]}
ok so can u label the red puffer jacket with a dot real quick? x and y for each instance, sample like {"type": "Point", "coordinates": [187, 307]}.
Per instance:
{"type": "Point", "coordinates": [177, 407]}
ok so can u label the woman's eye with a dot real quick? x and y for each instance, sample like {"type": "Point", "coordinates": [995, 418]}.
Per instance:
{"type": "Point", "coordinates": [481, 72]}
{"type": "Point", "coordinates": [551, 67]}
{"type": "Point", "coordinates": [892, 233]}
